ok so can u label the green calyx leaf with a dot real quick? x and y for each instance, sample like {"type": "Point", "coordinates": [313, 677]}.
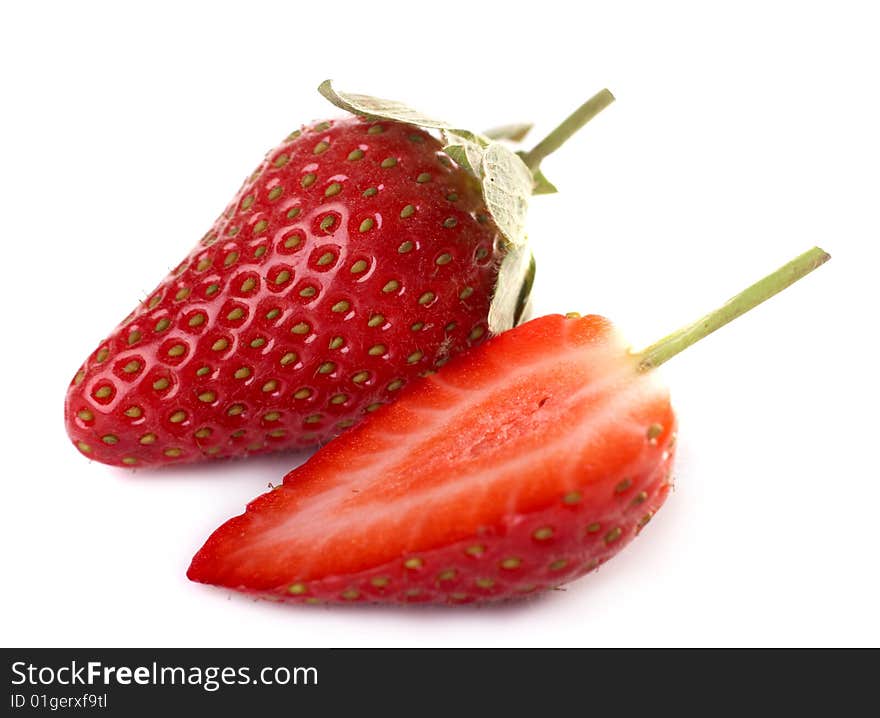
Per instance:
{"type": "Point", "coordinates": [542, 184]}
{"type": "Point", "coordinates": [524, 304]}
{"type": "Point", "coordinates": [514, 133]}
{"type": "Point", "coordinates": [506, 182]}
{"type": "Point", "coordinates": [466, 151]}
{"type": "Point", "coordinates": [379, 109]}
{"type": "Point", "coordinates": [507, 186]}
{"type": "Point", "coordinates": [515, 278]}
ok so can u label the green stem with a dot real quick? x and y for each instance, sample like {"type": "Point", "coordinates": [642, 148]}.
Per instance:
{"type": "Point", "coordinates": [759, 292]}
{"type": "Point", "coordinates": [571, 124]}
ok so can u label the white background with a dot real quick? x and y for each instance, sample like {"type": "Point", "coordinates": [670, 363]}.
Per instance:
{"type": "Point", "coordinates": [741, 136]}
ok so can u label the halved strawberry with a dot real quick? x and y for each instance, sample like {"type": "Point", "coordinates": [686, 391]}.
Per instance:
{"type": "Point", "coordinates": [520, 466]}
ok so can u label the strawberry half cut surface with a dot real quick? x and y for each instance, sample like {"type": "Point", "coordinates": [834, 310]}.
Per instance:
{"type": "Point", "coordinates": [521, 465]}
{"type": "Point", "coordinates": [524, 465]}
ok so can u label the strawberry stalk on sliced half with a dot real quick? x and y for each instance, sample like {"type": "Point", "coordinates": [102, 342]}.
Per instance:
{"type": "Point", "coordinates": [522, 465]}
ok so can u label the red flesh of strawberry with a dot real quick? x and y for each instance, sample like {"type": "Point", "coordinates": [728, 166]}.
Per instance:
{"type": "Point", "coordinates": [521, 466]}
{"type": "Point", "coordinates": [356, 257]}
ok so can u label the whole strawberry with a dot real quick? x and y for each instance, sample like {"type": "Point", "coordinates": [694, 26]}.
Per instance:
{"type": "Point", "coordinates": [358, 256]}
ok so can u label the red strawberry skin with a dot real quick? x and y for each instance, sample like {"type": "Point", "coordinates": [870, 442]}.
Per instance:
{"type": "Point", "coordinates": [356, 257]}
{"type": "Point", "coordinates": [520, 466]}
